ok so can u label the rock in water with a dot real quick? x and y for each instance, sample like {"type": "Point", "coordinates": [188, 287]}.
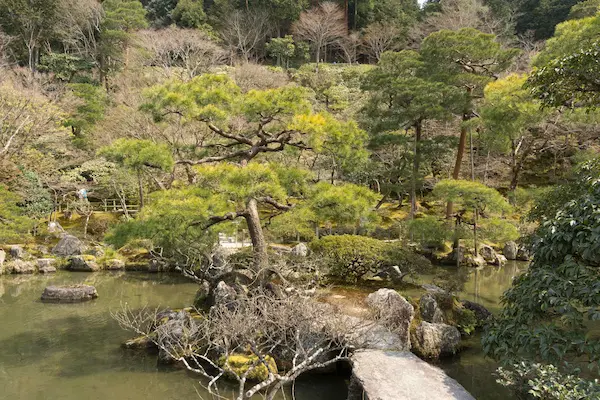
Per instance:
{"type": "Point", "coordinates": [46, 265]}
{"type": "Point", "coordinates": [301, 250]}
{"type": "Point", "coordinates": [394, 312]}
{"type": "Point", "coordinates": [488, 254]}
{"type": "Point", "coordinates": [430, 311]}
{"type": "Point", "coordinates": [69, 294]}
{"type": "Point", "coordinates": [500, 260]}
{"type": "Point", "coordinates": [16, 252]}
{"type": "Point", "coordinates": [523, 254]}
{"type": "Point", "coordinates": [481, 313]}
{"type": "Point", "coordinates": [115, 264]}
{"type": "Point", "coordinates": [2, 258]}
{"type": "Point", "coordinates": [510, 250]}
{"type": "Point", "coordinates": [434, 340]}
{"type": "Point", "coordinates": [68, 246]}
{"type": "Point", "coordinates": [21, 267]}
{"type": "Point", "coordinates": [83, 264]}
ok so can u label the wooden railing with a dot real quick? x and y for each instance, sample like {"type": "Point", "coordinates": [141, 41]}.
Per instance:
{"type": "Point", "coordinates": [106, 205]}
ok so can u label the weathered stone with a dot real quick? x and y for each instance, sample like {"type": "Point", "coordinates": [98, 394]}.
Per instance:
{"type": "Point", "coordinates": [96, 251]}
{"type": "Point", "coordinates": [2, 258]}
{"type": "Point", "coordinates": [433, 288]}
{"type": "Point", "coordinates": [300, 250]}
{"type": "Point", "coordinates": [474, 262]}
{"type": "Point", "coordinates": [435, 340]}
{"type": "Point", "coordinates": [488, 254]}
{"type": "Point", "coordinates": [16, 252]}
{"type": "Point", "coordinates": [388, 375]}
{"type": "Point", "coordinates": [510, 250]}
{"type": "Point", "coordinates": [394, 312]}
{"type": "Point", "coordinates": [481, 313]}
{"type": "Point", "coordinates": [429, 309]}
{"type": "Point", "coordinates": [21, 267]}
{"type": "Point", "coordinates": [368, 334]}
{"type": "Point", "coordinates": [523, 254]}
{"type": "Point", "coordinates": [500, 260]}
{"type": "Point", "coordinates": [46, 265]}
{"type": "Point", "coordinates": [223, 294]}
{"type": "Point", "coordinates": [144, 342]}
{"type": "Point", "coordinates": [69, 294]}
{"type": "Point", "coordinates": [202, 295]}
{"type": "Point", "coordinates": [68, 246]}
{"type": "Point", "coordinates": [83, 264]}
{"type": "Point", "coordinates": [115, 264]}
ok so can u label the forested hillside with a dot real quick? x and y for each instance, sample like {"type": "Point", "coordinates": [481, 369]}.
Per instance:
{"type": "Point", "coordinates": [434, 130]}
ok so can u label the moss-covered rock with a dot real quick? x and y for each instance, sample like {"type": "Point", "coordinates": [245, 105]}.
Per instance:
{"type": "Point", "coordinates": [239, 364]}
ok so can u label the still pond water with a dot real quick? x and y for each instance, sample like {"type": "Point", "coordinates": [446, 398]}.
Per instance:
{"type": "Point", "coordinates": [71, 351]}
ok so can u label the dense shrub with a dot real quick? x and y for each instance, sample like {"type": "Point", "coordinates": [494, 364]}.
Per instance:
{"type": "Point", "coordinates": [350, 257]}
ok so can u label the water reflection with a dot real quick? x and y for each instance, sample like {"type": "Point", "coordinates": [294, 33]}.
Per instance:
{"type": "Point", "coordinates": [71, 351]}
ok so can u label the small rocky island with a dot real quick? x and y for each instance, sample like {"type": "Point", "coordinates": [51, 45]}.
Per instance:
{"type": "Point", "coordinates": [69, 294]}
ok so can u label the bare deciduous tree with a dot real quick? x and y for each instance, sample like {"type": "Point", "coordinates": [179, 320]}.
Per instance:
{"type": "Point", "coordinates": [300, 333]}
{"type": "Point", "coordinates": [380, 37]}
{"type": "Point", "coordinates": [189, 49]}
{"type": "Point", "coordinates": [245, 33]}
{"type": "Point", "coordinates": [350, 46]}
{"type": "Point", "coordinates": [321, 26]}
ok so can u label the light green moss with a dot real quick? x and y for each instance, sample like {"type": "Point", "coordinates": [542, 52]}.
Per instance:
{"type": "Point", "coordinates": [239, 364]}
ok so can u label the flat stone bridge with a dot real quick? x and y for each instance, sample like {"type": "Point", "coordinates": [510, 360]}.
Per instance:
{"type": "Point", "coordinates": [400, 375]}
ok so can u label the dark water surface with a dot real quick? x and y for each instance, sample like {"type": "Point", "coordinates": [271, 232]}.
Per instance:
{"type": "Point", "coordinates": [72, 351]}
{"type": "Point", "coordinates": [469, 367]}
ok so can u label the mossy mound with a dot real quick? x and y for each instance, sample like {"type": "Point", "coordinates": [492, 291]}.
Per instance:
{"type": "Point", "coordinates": [239, 364]}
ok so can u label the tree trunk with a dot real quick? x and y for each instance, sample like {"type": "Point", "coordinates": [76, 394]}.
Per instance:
{"type": "Point", "coordinates": [259, 244]}
{"type": "Point", "coordinates": [140, 189]}
{"type": "Point", "coordinates": [475, 240]}
{"type": "Point", "coordinates": [467, 115]}
{"type": "Point", "coordinates": [85, 227]}
{"type": "Point", "coordinates": [416, 165]}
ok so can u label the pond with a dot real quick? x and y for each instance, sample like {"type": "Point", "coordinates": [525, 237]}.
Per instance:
{"type": "Point", "coordinates": [72, 351]}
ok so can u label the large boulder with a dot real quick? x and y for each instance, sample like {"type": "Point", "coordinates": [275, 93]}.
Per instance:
{"type": "Point", "coordinates": [474, 261]}
{"type": "Point", "coordinates": [46, 265]}
{"type": "Point", "coordinates": [16, 252]}
{"type": "Point", "coordinates": [429, 309]}
{"type": "Point", "coordinates": [301, 250]}
{"type": "Point", "coordinates": [510, 250]}
{"type": "Point", "coordinates": [373, 336]}
{"type": "Point", "coordinates": [223, 294]}
{"type": "Point", "coordinates": [394, 312]}
{"type": "Point", "coordinates": [69, 294]}
{"type": "Point", "coordinates": [500, 260]}
{"type": "Point", "coordinates": [83, 264]}
{"type": "Point", "coordinates": [488, 254]}
{"type": "Point", "coordinates": [523, 254]}
{"type": "Point", "coordinates": [2, 258]}
{"type": "Point", "coordinates": [435, 340]}
{"type": "Point", "coordinates": [21, 267]}
{"type": "Point", "coordinates": [68, 246]}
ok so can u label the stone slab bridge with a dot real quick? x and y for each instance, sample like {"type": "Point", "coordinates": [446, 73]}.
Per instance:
{"type": "Point", "coordinates": [400, 375]}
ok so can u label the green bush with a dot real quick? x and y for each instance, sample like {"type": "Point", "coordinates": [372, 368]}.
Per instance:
{"type": "Point", "coordinates": [350, 257]}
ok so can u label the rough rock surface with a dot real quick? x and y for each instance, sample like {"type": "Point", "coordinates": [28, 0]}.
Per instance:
{"type": "Point", "coordinates": [83, 264]}
{"type": "Point", "coordinates": [223, 294]}
{"type": "Point", "coordinates": [69, 294]}
{"type": "Point", "coordinates": [510, 250]}
{"type": "Point", "coordinates": [115, 264]}
{"type": "Point", "coordinates": [429, 309]}
{"type": "Point", "coordinates": [434, 340]}
{"type": "Point", "coordinates": [500, 260]}
{"type": "Point", "coordinates": [523, 254]}
{"type": "Point", "coordinates": [388, 375]}
{"type": "Point", "coordinates": [16, 252]}
{"type": "Point", "coordinates": [481, 313]}
{"type": "Point", "coordinates": [68, 246]}
{"type": "Point", "coordinates": [46, 265]}
{"type": "Point", "coordinates": [2, 257]}
{"type": "Point", "coordinates": [372, 335]}
{"type": "Point", "coordinates": [394, 312]}
{"type": "Point", "coordinates": [488, 254]}
{"type": "Point", "coordinates": [21, 267]}
{"type": "Point", "coordinates": [301, 250]}
{"type": "Point", "coordinates": [474, 262]}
